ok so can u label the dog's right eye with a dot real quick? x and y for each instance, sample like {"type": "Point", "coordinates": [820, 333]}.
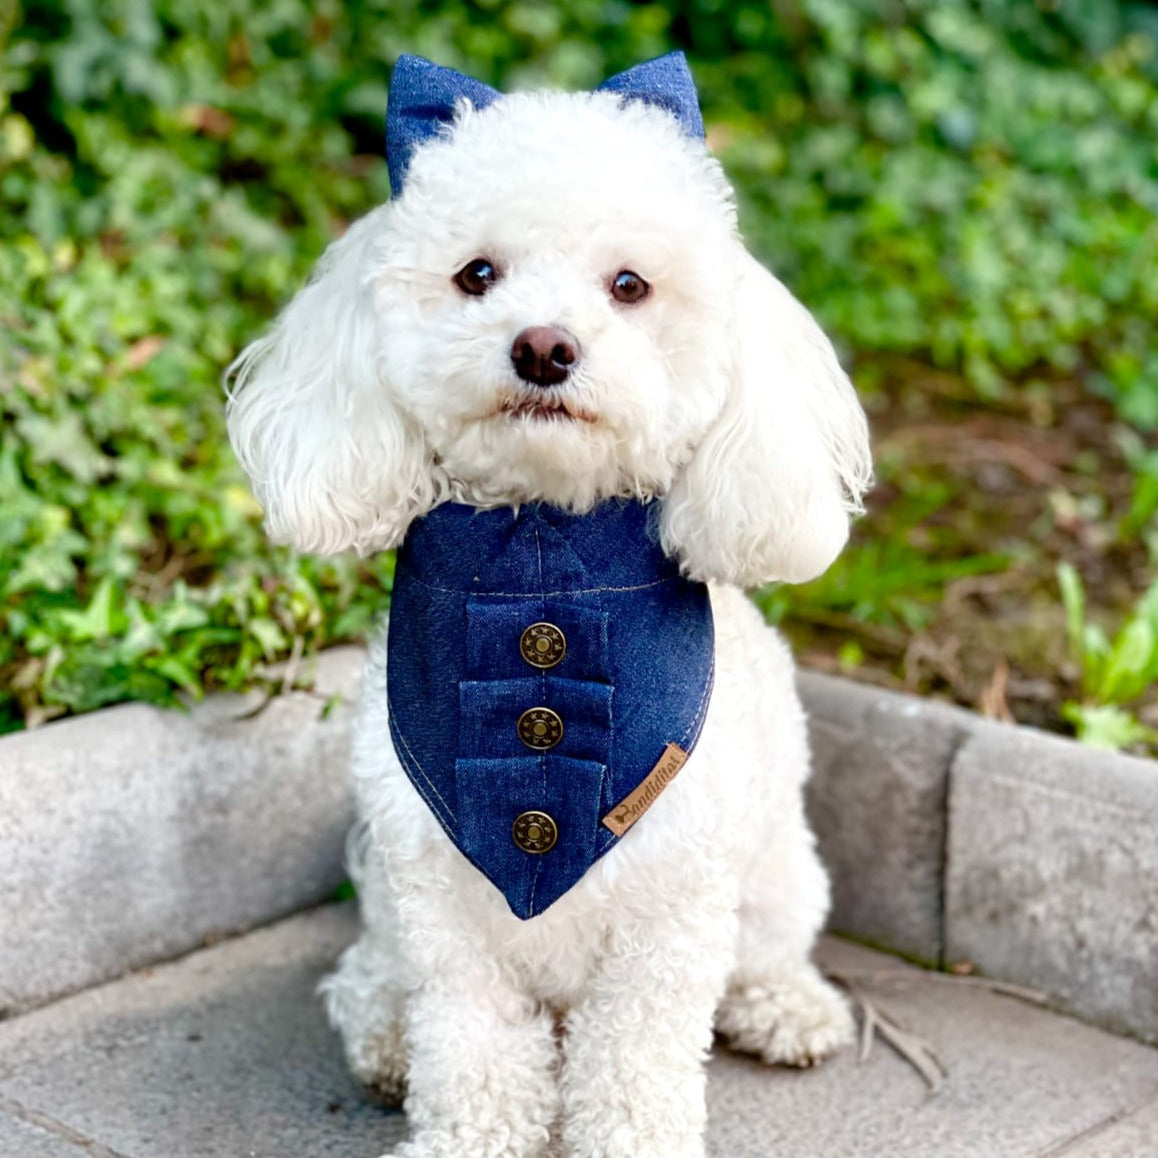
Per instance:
{"type": "Point", "coordinates": [476, 277]}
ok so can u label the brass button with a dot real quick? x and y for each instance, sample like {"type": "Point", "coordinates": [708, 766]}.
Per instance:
{"type": "Point", "coordinates": [534, 832]}
{"type": "Point", "coordinates": [543, 645]}
{"type": "Point", "coordinates": [540, 728]}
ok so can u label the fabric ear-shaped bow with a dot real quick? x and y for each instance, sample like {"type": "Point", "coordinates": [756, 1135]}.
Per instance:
{"type": "Point", "coordinates": [423, 95]}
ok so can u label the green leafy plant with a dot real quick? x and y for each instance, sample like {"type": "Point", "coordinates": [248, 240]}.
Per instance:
{"type": "Point", "coordinates": [886, 583]}
{"type": "Point", "coordinates": [1141, 520]}
{"type": "Point", "coordinates": [967, 184]}
{"type": "Point", "coordinates": [1115, 671]}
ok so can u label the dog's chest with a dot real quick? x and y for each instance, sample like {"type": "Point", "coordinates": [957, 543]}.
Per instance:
{"type": "Point", "coordinates": [545, 673]}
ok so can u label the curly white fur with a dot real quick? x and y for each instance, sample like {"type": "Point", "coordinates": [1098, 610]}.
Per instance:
{"type": "Point", "coordinates": [384, 390]}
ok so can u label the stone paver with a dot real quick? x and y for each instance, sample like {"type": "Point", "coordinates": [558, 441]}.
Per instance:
{"type": "Point", "coordinates": [877, 801]}
{"type": "Point", "coordinates": [1052, 876]}
{"type": "Point", "coordinates": [1021, 1080]}
{"type": "Point", "coordinates": [24, 1139]}
{"type": "Point", "coordinates": [1133, 1135]}
{"type": "Point", "coordinates": [132, 834]}
{"type": "Point", "coordinates": [225, 1054]}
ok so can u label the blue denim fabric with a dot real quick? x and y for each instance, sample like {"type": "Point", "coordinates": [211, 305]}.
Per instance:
{"type": "Point", "coordinates": [636, 676]}
{"type": "Point", "coordinates": [423, 95]}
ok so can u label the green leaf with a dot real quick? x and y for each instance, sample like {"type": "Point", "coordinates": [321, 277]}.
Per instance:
{"type": "Point", "coordinates": [101, 618]}
{"type": "Point", "coordinates": [175, 669]}
{"type": "Point", "coordinates": [1074, 601]}
{"type": "Point", "coordinates": [1108, 727]}
{"type": "Point", "coordinates": [1123, 677]}
{"type": "Point", "coordinates": [1143, 505]}
{"type": "Point", "coordinates": [1094, 655]}
{"type": "Point", "coordinates": [268, 634]}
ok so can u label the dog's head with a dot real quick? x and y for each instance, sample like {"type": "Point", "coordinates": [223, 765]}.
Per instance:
{"type": "Point", "coordinates": [557, 307]}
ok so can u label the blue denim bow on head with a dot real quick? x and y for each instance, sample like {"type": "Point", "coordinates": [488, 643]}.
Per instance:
{"type": "Point", "coordinates": [423, 95]}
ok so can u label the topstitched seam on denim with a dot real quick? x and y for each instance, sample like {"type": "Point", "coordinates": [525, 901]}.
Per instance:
{"type": "Point", "coordinates": [692, 727]}
{"type": "Point", "coordinates": [445, 821]}
{"type": "Point", "coordinates": [538, 866]}
{"type": "Point", "coordinates": [410, 758]}
{"type": "Point", "coordinates": [542, 699]}
{"type": "Point", "coordinates": [422, 772]}
{"type": "Point", "coordinates": [606, 769]}
{"type": "Point", "coordinates": [702, 709]}
{"type": "Point", "coordinates": [606, 777]}
{"type": "Point", "coordinates": [411, 775]}
{"type": "Point", "coordinates": [534, 594]}
{"type": "Point", "coordinates": [605, 639]}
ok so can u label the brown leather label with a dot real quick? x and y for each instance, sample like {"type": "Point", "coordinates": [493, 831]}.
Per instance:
{"type": "Point", "coordinates": [629, 810]}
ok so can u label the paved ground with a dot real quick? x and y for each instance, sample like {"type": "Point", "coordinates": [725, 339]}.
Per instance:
{"type": "Point", "coordinates": [224, 1054]}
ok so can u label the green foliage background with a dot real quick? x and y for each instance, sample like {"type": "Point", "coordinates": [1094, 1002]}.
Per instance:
{"type": "Point", "coordinates": [972, 183]}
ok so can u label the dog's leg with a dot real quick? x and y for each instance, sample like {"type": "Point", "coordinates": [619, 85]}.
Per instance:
{"type": "Point", "coordinates": [365, 1004]}
{"type": "Point", "coordinates": [365, 995]}
{"type": "Point", "coordinates": [483, 1068]}
{"type": "Point", "coordinates": [777, 1004]}
{"type": "Point", "coordinates": [633, 1077]}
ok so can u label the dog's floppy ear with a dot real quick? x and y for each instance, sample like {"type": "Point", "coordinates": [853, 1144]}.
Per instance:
{"type": "Point", "coordinates": [332, 461]}
{"type": "Point", "coordinates": [770, 489]}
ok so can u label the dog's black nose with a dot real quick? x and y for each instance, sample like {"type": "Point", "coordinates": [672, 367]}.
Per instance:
{"type": "Point", "coordinates": [544, 355]}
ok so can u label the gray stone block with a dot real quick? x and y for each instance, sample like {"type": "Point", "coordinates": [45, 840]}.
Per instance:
{"type": "Point", "coordinates": [23, 1139]}
{"type": "Point", "coordinates": [877, 801]}
{"type": "Point", "coordinates": [1133, 1135]}
{"type": "Point", "coordinates": [1053, 873]}
{"type": "Point", "coordinates": [134, 834]}
{"type": "Point", "coordinates": [226, 1054]}
{"type": "Point", "coordinates": [1020, 1082]}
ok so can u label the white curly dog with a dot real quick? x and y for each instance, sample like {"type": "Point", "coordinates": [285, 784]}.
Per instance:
{"type": "Point", "coordinates": [387, 387]}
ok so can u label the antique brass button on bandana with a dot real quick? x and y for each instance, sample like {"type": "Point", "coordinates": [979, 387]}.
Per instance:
{"type": "Point", "coordinates": [540, 728]}
{"type": "Point", "coordinates": [534, 832]}
{"type": "Point", "coordinates": [543, 645]}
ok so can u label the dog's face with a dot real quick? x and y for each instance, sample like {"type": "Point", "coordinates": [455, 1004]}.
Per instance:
{"type": "Point", "coordinates": [554, 293]}
{"type": "Point", "coordinates": [557, 308]}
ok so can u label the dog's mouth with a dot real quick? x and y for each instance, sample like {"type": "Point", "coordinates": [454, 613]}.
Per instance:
{"type": "Point", "coordinates": [545, 408]}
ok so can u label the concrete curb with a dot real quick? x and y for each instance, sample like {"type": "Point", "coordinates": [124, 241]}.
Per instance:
{"type": "Point", "coordinates": [1053, 873]}
{"type": "Point", "coordinates": [878, 801]}
{"type": "Point", "coordinates": [133, 834]}
{"type": "Point", "coordinates": [957, 841]}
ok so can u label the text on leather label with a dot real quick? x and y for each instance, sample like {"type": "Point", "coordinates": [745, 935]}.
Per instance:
{"type": "Point", "coordinates": [646, 793]}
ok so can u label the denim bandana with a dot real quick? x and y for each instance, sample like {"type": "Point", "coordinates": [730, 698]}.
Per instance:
{"type": "Point", "coordinates": [539, 664]}
{"type": "Point", "coordinates": [423, 96]}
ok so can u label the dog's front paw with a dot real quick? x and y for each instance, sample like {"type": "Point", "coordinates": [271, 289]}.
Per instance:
{"type": "Point", "coordinates": [795, 1018]}
{"type": "Point", "coordinates": [413, 1150]}
{"type": "Point", "coordinates": [363, 1003]}
{"type": "Point", "coordinates": [378, 1061]}
{"type": "Point", "coordinates": [470, 1144]}
{"type": "Point", "coordinates": [427, 1145]}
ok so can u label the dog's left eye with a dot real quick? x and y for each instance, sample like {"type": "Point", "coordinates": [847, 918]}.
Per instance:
{"type": "Point", "coordinates": [628, 286]}
{"type": "Point", "coordinates": [476, 277]}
